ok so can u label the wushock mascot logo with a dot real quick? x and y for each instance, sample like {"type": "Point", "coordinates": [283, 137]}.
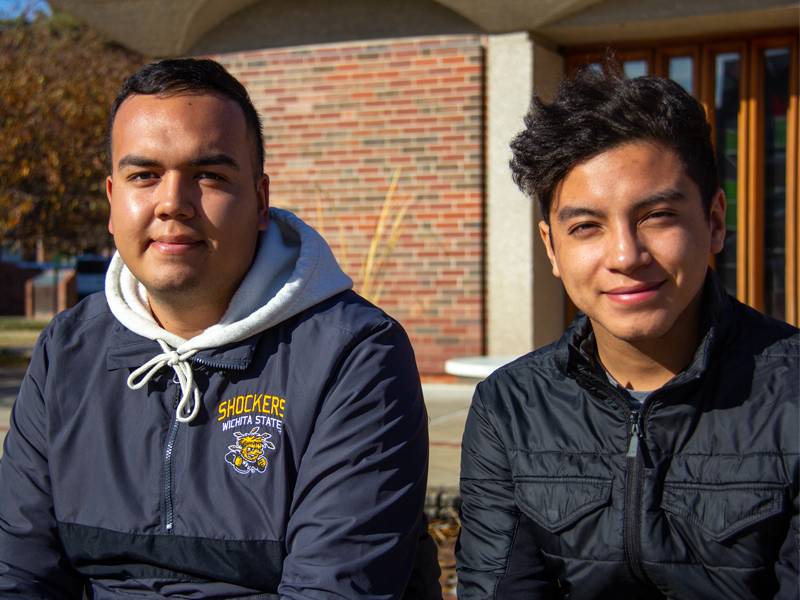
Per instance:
{"type": "Point", "coordinates": [247, 454]}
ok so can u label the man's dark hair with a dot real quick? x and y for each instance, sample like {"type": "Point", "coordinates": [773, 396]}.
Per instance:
{"type": "Point", "coordinates": [595, 111]}
{"type": "Point", "coordinates": [191, 76]}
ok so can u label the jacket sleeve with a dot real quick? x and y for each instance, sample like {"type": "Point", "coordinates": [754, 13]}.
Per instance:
{"type": "Point", "coordinates": [787, 568]}
{"type": "Point", "coordinates": [496, 555]}
{"type": "Point", "coordinates": [32, 564]}
{"type": "Point", "coordinates": [356, 514]}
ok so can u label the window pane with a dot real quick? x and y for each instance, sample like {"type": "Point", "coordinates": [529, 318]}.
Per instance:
{"type": "Point", "coordinates": [634, 68]}
{"type": "Point", "coordinates": [776, 102]}
{"type": "Point", "coordinates": [726, 118]}
{"type": "Point", "coordinates": [681, 71]}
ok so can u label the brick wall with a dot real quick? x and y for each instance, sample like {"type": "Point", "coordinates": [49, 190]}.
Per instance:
{"type": "Point", "coordinates": [12, 284]}
{"type": "Point", "coordinates": [340, 120]}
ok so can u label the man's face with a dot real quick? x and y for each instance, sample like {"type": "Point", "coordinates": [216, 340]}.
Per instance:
{"type": "Point", "coordinates": [630, 240]}
{"type": "Point", "coordinates": [186, 201]}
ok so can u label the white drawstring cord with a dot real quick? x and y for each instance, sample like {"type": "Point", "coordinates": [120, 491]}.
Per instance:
{"type": "Point", "coordinates": [182, 368]}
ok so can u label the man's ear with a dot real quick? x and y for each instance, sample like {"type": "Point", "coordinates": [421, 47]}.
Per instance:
{"type": "Point", "coordinates": [262, 193]}
{"type": "Point", "coordinates": [547, 240]}
{"type": "Point", "coordinates": [109, 185]}
{"type": "Point", "coordinates": [716, 221]}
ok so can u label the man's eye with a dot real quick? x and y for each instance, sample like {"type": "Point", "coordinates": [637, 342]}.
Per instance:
{"type": "Point", "coordinates": [210, 175]}
{"type": "Point", "coordinates": [142, 176]}
{"type": "Point", "coordinates": [582, 229]}
{"type": "Point", "coordinates": [660, 214]}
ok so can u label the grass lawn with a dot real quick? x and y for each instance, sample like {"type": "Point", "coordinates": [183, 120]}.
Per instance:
{"type": "Point", "coordinates": [15, 323]}
{"type": "Point", "coordinates": [17, 333]}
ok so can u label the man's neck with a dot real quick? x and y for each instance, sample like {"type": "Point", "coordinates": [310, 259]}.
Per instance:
{"type": "Point", "coordinates": [184, 317]}
{"type": "Point", "coordinates": [649, 364]}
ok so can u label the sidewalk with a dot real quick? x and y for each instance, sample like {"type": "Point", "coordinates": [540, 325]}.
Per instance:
{"type": "Point", "coordinates": [447, 405]}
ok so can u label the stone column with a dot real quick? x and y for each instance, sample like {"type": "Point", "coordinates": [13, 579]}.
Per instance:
{"type": "Point", "coordinates": [524, 300]}
{"type": "Point", "coordinates": [548, 295]}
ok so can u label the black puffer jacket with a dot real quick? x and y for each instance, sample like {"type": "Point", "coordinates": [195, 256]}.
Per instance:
{"type": "Point", "coordinates": [563, 499]}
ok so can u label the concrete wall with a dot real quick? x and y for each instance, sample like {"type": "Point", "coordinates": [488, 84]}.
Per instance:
{"type": "Point", "coordinates": [274, 24]}
{"type": "Point", "coordinates": [524, 300]}
{"type": "Point", "coordinates": [509, 214]}
{"type": "Point", "coordinates": [619, 11]}
{"type": "Point", "coordinates": [548, 294]}
{"type": "Point", "coordinates": [614, 21]}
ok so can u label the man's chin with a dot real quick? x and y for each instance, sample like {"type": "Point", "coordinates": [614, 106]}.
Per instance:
{"type": "Point", "coordinates": [172, 287]}
{"type": "Point", "coordinates": [638, 332]}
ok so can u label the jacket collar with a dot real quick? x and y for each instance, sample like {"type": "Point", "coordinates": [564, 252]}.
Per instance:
{"type": "Point", "coordinates": [130, 350]}
{"type": "Point", "coordinates": [576, 350]}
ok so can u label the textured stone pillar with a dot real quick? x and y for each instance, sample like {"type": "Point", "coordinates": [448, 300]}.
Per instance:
{"type": "Point", "coordinates": [524, 300]}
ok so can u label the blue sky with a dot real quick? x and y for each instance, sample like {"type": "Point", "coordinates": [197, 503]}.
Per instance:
{"type": "Point", "coordinates": [10, 9]}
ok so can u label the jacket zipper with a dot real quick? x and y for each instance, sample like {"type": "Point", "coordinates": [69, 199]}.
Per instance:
{"type": "Point", "coordinates": [167, 467]}
{"type": "Point", "coordinates": [169, 511]}
{"type": "Point", "coordinates": [634, 482]}
{"type": "Point", "coordinates": [217, 365]}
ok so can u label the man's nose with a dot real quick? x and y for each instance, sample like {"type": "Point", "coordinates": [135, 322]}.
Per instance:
{"type": "Point", "coordinates": [627, 250]}
{"type": "Point", "coordinates": [175, 197]}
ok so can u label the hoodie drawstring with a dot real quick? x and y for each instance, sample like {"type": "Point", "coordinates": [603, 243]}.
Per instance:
{"type": "Point", "coordinates": [183, 370]}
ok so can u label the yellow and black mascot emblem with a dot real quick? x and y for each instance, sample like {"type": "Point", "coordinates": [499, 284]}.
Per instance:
{"type": "Point", "coordinates": [247, 454]}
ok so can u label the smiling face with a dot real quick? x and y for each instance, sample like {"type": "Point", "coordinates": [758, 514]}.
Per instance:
{"type": "Point", "coordinates": [630, 240]}
{"type": "Point", "coordinates": [186, 201]}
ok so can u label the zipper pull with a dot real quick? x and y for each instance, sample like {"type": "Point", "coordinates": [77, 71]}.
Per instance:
{"type": "Point", "coordinates": [633, 446]}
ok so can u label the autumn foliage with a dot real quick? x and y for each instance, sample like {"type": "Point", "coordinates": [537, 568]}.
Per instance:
{"type": "Point", "coordinates": [57, 81]}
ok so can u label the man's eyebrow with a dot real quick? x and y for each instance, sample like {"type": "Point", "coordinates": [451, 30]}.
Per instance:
{"type": "Point", "coordinates": [210, 160]}
{"type": "Point", "coordinates": [135, 160]}
{"type": "Point", "coordinates": [668, 195]}
{"type": "Point", "coordinates": [205, 160]}
{"type": "Point", "coordinates": [573, 212]}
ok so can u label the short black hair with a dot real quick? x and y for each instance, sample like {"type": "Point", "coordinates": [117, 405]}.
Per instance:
{"type": "Point", "coordinates": [191, 76]}
{"type": "Point", "coordinates": [596, 110]}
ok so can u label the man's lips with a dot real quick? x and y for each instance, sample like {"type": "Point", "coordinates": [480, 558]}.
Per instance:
{"type": "Point", "coordinates": [633, 294]}
{"type": "Point", "coordinates": [179, 244]}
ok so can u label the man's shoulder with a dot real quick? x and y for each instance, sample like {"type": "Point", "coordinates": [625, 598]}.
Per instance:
{"type": "Point", "coordinates": [540, 361]}
{"type": "Point", "coordinates": [532, 375]}
{"type": "Point", "coordinates": [91, 312]}
{"type": "Point", "coordinates": [760, 335]}
{"type": "Point", "coordinates": [350, 313]}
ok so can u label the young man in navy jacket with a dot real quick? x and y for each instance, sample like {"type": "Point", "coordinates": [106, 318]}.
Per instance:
{"type": "Point", "coordinates": [229, 420]}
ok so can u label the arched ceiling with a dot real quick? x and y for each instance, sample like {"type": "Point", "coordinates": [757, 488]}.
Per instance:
{"type": "Point", "coordinates": [515, 15]}
{"type": "Point", "coordinates": [152, 27]}
{"type": "Point", "coordinates": [157, 28]}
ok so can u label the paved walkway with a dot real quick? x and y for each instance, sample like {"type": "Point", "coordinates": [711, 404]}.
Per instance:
{"type": "Point", "coordinates": [447, 410]}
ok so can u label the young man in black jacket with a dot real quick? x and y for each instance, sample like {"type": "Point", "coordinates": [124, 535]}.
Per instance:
{"type": "Point", "coordinates": [653, 450]}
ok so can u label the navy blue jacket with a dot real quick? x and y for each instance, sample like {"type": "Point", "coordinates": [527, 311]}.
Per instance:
{"type": "Point", "coordinates": [303, 476]}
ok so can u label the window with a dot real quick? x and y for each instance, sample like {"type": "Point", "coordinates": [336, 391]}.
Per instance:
{"type": "Point", "coordinates": [749, 88]}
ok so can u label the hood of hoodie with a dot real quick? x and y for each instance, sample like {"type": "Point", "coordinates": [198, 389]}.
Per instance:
{"type": "Point", "coordinates": [293, 269]}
